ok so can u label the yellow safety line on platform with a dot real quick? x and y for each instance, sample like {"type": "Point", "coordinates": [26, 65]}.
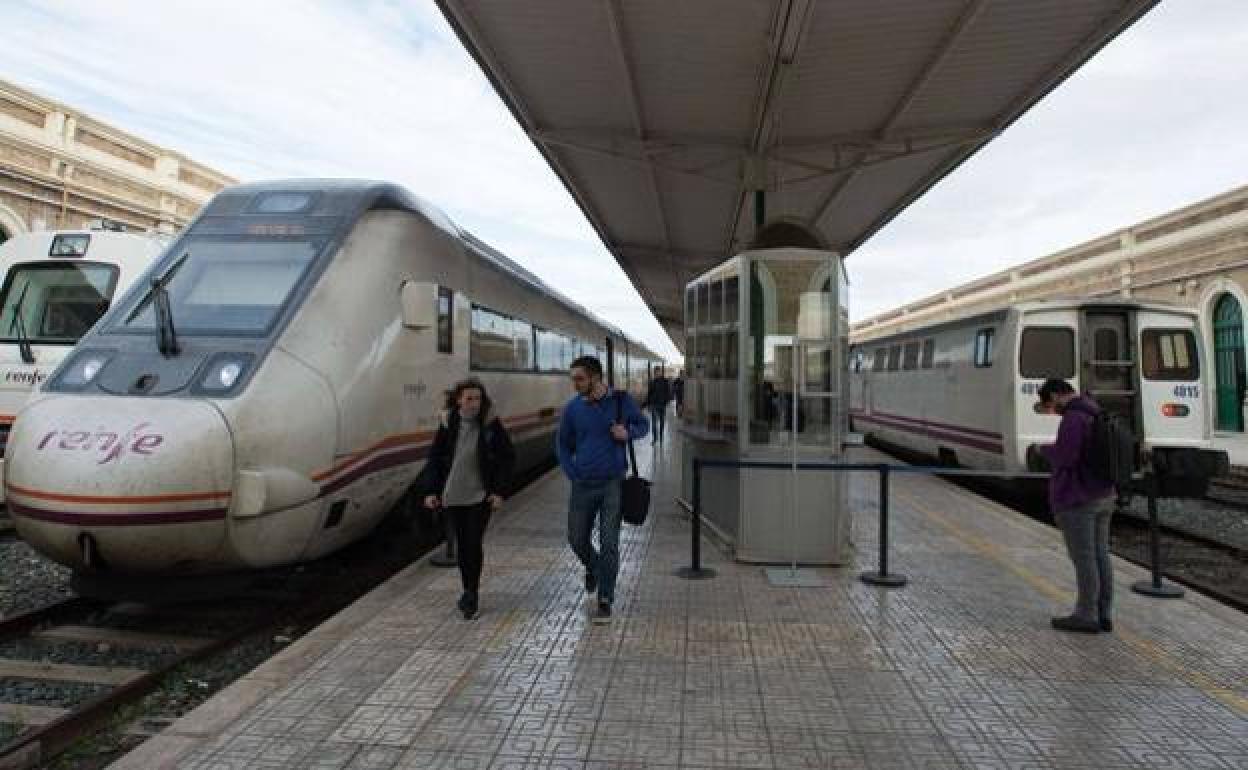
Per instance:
{"type": "Point", "coordinates": [1145, 647]}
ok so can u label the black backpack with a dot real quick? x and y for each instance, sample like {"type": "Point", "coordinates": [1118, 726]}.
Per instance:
{"type": "Point", "coordinates": [1111, 451]}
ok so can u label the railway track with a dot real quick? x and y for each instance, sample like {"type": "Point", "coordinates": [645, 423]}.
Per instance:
{"type": "Point", "coordinates": [105, 657]}
{"type": "Point", "coordinates": [49, 730]}
{"type": "Point", "coordinates": [1231, 489]}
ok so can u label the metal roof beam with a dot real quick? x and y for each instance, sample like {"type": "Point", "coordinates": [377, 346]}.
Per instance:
{"type": "Point", "coordinates": [619, 37]}
{"type": "Point", "coordinates": [947, 45]}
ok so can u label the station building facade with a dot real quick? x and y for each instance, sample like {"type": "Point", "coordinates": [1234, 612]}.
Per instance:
{"type": "Point", "coordinates": [60, 168]}
{"type": "Point", "coordinates": [1196, 256]}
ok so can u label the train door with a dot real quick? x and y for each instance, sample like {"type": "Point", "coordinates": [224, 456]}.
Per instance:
{"type": "Point", "coordinates": [1109, 370]}
{"type": "Point", "coordinates": [1228, 345]}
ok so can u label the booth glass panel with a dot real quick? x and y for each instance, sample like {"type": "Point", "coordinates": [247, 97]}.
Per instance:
{"type": "Point", "coordinates": [793, 380]}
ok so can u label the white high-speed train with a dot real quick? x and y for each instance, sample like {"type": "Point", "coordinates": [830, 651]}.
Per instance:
{"type": "Point", "coordinates": [964, 392]}
{"type": "Point", "coordinates": [271, 391]}
{"type": "Point", "coordinates": [56, 285]}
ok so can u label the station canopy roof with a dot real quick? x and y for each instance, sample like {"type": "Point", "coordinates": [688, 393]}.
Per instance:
{"type": "Point", "coordinates": [665, 117]}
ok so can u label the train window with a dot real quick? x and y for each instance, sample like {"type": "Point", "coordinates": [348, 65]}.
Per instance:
{"type": "Point", "coordinates": [894, 358]}
{"type": "Point", "coordinates": [984, 348]}
{"type": "Point", "coordinates": [881, 360]}
{"type": "Point", "coordinates": [910, 358]}
{"type": "Point", "coordinates": [445, 305]}
{"type": "Point", "coordinates": [522, 337]}
{"type": "Point", "coordinates": [549, 351]}
{"type": "Point", "coordinates": [492, 346]}
{"type": "Point", "coordinates": [928, 356]}
{"type": "Point", "coordinates": [1169, 354]}
{"type": "Point", "coordinates": [1047, 351]}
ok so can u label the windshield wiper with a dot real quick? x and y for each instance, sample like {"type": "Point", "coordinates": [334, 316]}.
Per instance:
{"type": "Point", "coordinates": [158, 295]}
{"type": "Point", "coordinates": [23, 340]}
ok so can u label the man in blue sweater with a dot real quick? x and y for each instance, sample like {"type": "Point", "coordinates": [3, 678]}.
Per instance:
{"type": "Point", "coordinates": [594, 430]}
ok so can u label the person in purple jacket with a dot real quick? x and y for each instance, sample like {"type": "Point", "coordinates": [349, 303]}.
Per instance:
{"type": "Point", "coordinates": [1082, 507]}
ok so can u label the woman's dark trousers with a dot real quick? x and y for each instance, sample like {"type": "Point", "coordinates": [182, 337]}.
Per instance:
{"type": "Point", "coordinates": [470, 522]}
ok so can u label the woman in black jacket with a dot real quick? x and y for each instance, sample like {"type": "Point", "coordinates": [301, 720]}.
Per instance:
{"type": "Point", "coordinates": [469, 467]}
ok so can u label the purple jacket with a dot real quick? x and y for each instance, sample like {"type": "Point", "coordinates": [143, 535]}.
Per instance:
{"type": "Point", "coordinates": [1072, 484]}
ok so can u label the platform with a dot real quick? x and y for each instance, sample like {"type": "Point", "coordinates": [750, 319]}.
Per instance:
{"type": "Point", "coordinates": [957, 669]}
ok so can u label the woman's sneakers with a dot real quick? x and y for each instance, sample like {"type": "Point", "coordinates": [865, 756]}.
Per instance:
{"type": "Point", "coordinates": [468, 605]}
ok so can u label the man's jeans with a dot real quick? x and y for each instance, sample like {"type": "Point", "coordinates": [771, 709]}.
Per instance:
{"type": "Point", "coordinates": [599, 500]}
{"type": "Point", "coordinates": [1086, 531]}
{"type": "Point", "coordinates": [658, 420]}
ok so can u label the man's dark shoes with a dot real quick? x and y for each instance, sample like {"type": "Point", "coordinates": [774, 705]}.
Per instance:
{"type": "Point", "coordinates": [468, 605]}
{"type": "Point", "coordinates": [1107, 625]}
{"type": "Point", "coordinates": [591, 582]}
{"type": "Point", "coordinates": [1079, 625]}
{"type": "Point", "coordinates": [603, 615]}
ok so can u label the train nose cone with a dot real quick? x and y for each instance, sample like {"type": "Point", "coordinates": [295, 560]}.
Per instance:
{"type": "Point", "coordinates": [147, 481]}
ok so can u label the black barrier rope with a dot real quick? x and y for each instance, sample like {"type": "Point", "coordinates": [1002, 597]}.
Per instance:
{"type": "Point", "coordinates": [881, 576]}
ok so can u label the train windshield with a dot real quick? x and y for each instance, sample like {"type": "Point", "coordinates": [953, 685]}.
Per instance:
{"type": "Point", "coordinates": [54, 302]}
{"type": "Point", "coordinates": [227, 286]}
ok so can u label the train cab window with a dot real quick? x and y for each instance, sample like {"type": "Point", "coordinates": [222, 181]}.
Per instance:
{"type": "Point", "coordinates": [910, 357]}
{"type": "Point", "coordinates": [227, 287]}
{"type": "Point", "coordinates": [1047, 351]}
{"type": "Point", "coordinates": [880, 362]}
{"type": "Point", "coordinates": [1169, 354]}
{"type": "Point", "coordinates": [984, 347]}
{"type": "Point", "coordinates": [59, 302]}
{"type": "Point", "coordinates": [894, 358]}
{"type": "Point", "coordinates": [929, 354]}
{"type": "Point", "coordinates": [445, 328]}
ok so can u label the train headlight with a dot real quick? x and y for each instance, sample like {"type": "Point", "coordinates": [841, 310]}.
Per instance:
{"type": "Point", "coordinates": [82, 369]}
{"type": "Point", "coordinates": [223, 372]}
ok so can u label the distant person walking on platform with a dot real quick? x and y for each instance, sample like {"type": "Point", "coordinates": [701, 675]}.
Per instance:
{"type": "Point", "coordinates": [469, 466]}
{"type": "Point", "coordinates": [1082, 507]}
{"type": "Point", "coordinates": [678, 392]}
{"type": "Point", "coordinates": [593, 432]}
{"type": "Point", "coordinates": [657, 397]}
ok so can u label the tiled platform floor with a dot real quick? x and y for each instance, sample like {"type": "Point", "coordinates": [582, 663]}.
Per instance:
{"type": "Point", "coordinates": [957, 669]}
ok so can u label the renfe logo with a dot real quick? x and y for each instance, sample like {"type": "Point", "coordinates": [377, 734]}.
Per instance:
{"type": "Point", "coordinates": [112, 445]}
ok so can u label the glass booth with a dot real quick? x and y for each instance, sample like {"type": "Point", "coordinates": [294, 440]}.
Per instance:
{"type": "Point", "coordinates": [766, 337]}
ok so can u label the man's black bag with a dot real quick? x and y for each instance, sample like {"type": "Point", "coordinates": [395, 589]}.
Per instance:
{"type": "Point", "coordinates": [1112, 450]}
{"type": "Point", "coordinates": [634, 490]}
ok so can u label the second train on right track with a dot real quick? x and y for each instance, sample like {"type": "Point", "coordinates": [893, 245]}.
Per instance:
{"type": "Point", "coordinates": [964, 392]}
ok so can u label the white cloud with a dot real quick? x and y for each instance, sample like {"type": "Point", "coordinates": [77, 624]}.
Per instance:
{"type": "Point", "coordinates": [1153, 123]}
{"type": "Point", "coordinates": [382, 88]}
{"type": "Point", "coordinates": [284, 88]}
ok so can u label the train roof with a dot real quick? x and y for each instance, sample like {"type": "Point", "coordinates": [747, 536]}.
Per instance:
{"type": "Point", "coordinates": [1023, 307]}
{"type": "Point", "coordinates": [352, 198]}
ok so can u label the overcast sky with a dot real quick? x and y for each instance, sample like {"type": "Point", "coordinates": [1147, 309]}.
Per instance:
{"type": "Point", "coordinates": [370, 88]}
